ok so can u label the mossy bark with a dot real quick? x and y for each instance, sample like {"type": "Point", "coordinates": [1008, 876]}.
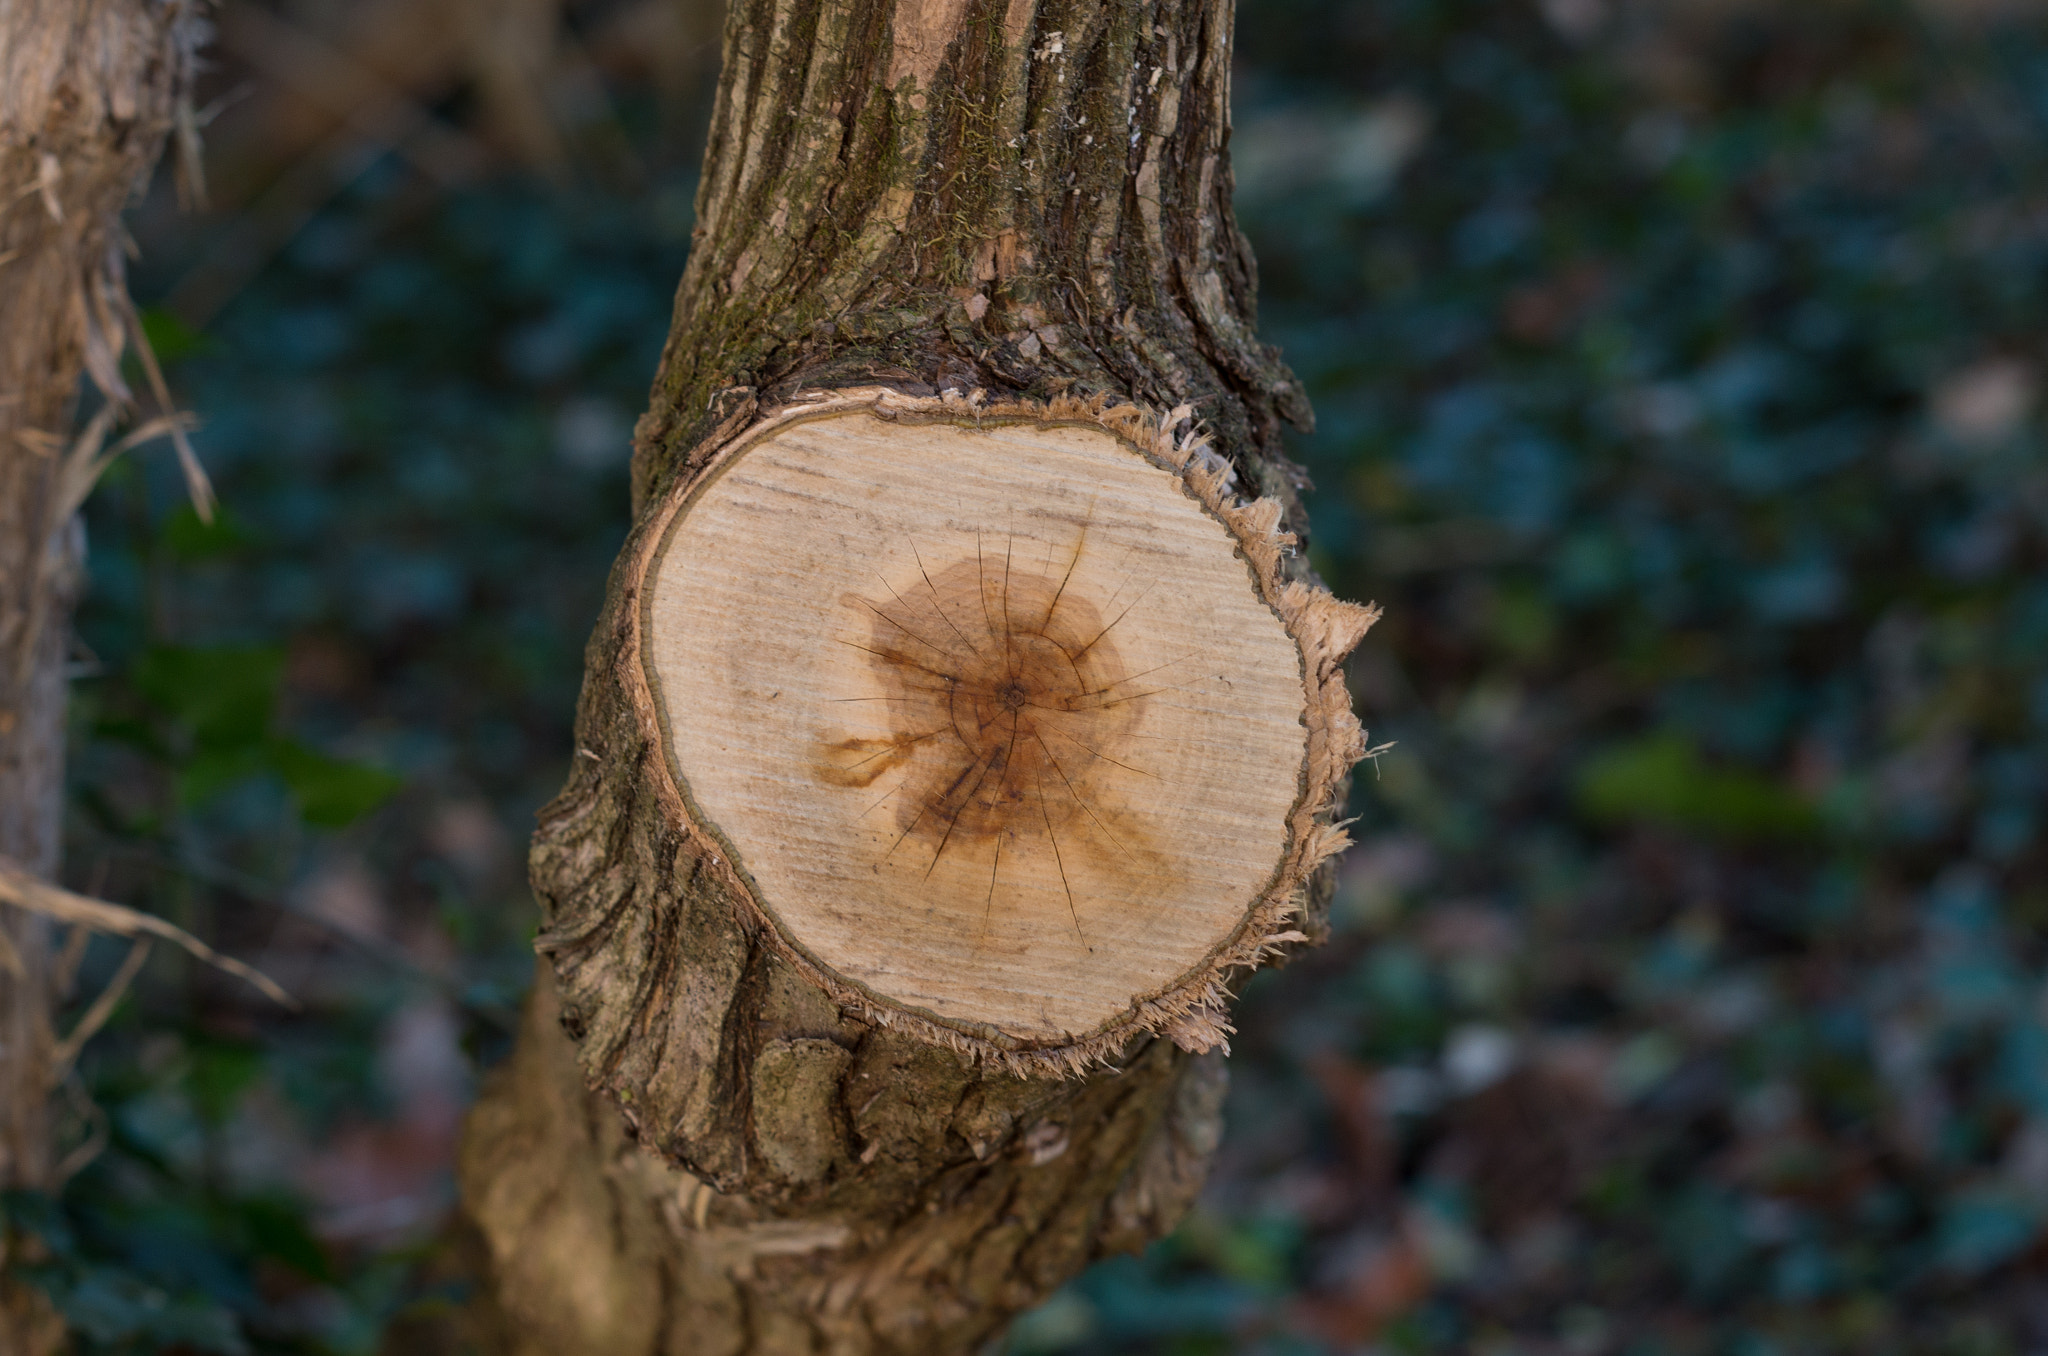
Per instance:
{"type": "Point", "coordinates": [1033, 198]}
{"type": "Point", "coordinates": [1025, 198]}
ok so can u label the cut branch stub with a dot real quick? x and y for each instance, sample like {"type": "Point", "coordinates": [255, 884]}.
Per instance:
{"type": "Point", "coordinates": [1002, 719]}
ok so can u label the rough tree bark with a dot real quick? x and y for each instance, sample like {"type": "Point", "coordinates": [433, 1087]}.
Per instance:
{"type": "Point", "coordinates": [954, 207]}
{"type": "Point", "coordinates": [89, 89]}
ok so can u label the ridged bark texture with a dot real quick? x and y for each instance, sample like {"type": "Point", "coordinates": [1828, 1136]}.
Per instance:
{"type": "Point", "coordinates": [1033, 198]}
{"type": "Point", "coordinates": [88, 91]}
{"type": "Point", "coordinates": [1025, 198]}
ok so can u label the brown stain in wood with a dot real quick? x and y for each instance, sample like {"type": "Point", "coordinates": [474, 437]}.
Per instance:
{"type": "Point", "coordinates": [1012, 716]}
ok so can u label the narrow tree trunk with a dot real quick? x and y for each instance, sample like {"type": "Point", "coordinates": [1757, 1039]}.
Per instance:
{"type": "Point", "coordinates": [964, 205]}
{"type": "Point", "coordinates": [88, 91]}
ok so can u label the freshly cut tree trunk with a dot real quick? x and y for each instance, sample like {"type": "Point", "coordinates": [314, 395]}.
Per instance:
{"type": "Point", "coordinates": [88, 91]}
{"type": "Point", "coordinates": [1007, 743]}
{"type": "Point", "coordinates": [960, 722]}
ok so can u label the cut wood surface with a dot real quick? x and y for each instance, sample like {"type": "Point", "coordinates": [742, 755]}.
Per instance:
{"type": "Point", "coordinates": [893, 903]}
{"type": "Point", "coordinates": [1001, 726]}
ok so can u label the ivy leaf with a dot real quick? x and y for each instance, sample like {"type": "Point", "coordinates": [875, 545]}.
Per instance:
{"type": "Point", "coordinates": [222, 697]}
{"type": "Point", "coordinates": [332, 794]}
{"type": "Point", "coordinates": [191, 539]}
{"type": "Point", "coordinates": [1661, 779]}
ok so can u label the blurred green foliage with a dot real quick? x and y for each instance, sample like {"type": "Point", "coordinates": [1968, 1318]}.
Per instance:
{"type": "Point", "coordinates": [314, 730]}
{"type": "Point", "coordinates": [1677, 376]}
{"type": "Point", "coordinates": [1660, 779]}
{"type": "Point", "coordinates": [215, 709]}
{"type": "Point", "coordinates": [1678, 381]}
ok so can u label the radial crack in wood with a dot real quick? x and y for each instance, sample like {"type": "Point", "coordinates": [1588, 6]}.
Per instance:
{"type": "Point", "coordinates": [905, 206]}
{"type": "Point", "coordinates": [1015, 732]}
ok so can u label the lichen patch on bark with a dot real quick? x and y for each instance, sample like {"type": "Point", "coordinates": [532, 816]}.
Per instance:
{"type": "Point", "coordinates": [795, 1126]}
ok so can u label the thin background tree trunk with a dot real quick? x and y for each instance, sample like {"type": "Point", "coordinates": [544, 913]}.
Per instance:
{"type": "Point", "coordinates": [1030, 198]}
{"type": "Point", "coordinates": [88, 91]}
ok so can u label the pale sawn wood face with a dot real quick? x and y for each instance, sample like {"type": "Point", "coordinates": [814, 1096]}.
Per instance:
{"type": "Point", "coordinates": [993, 719]}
